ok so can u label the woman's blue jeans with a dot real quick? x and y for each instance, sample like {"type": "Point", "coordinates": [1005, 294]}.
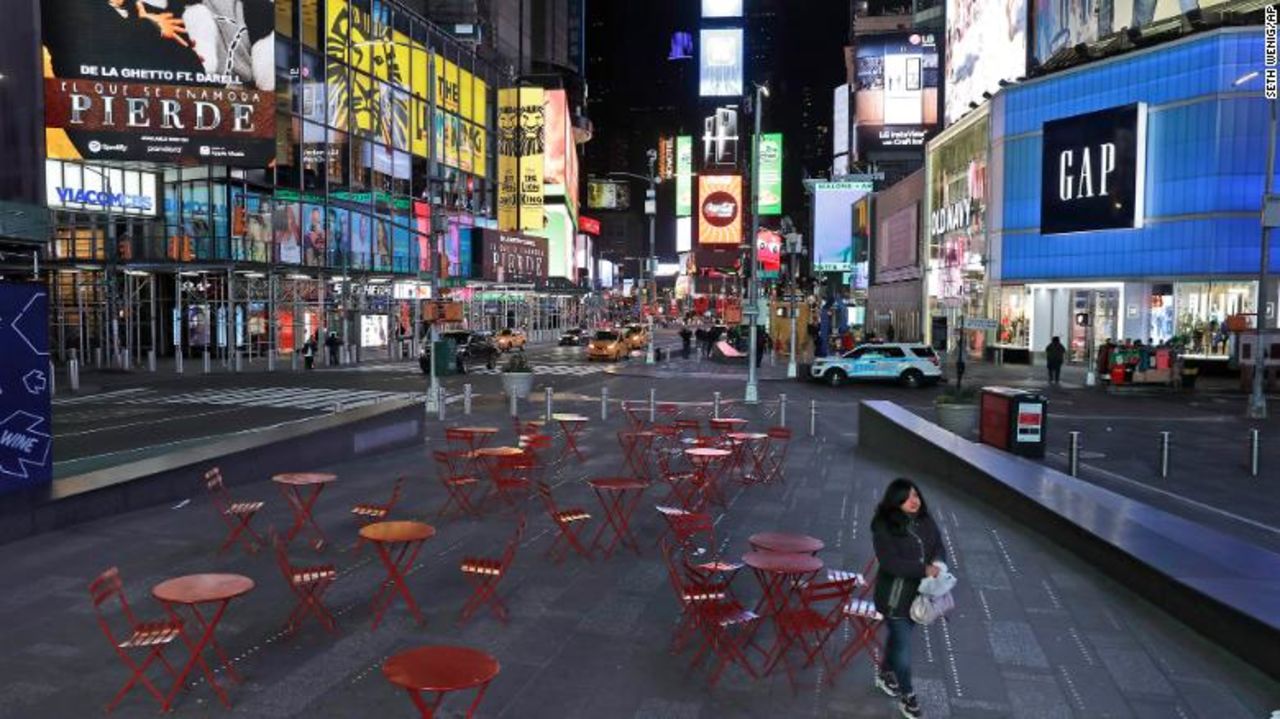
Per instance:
{"type": "Point", "coordinates": [897, 652]}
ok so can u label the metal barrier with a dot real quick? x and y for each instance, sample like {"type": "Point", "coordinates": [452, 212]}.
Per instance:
{"type": "Point", "coordinates": [1164, 455]}
{"type": "Point", "coordinates": [1073, 454]}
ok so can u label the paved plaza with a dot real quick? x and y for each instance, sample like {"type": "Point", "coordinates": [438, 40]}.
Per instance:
{"type": "Point", "coordinates": [1037, 633]}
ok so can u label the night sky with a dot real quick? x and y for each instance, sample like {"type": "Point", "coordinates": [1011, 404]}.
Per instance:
{"type": "Point", "coordinates": [637, 94]}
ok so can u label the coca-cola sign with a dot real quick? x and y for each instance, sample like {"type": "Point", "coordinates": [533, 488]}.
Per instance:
{"type": "Point", "coordinates": [720, 209]}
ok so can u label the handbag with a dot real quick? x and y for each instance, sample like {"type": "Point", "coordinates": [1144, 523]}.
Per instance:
{"type": "Point", "coordinates": [926, 609]}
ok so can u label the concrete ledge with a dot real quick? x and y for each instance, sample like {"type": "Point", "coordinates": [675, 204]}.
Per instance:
{"type": "Point", "coordinates": [1224, 588]}
{"type": "Point", "coordinates": [243, 456]}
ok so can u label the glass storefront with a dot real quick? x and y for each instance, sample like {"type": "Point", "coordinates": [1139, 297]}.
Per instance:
{"type": "Point", "coordinates": [1200, 311]}
{"type": "Point", "coordinates": [1015, 320]}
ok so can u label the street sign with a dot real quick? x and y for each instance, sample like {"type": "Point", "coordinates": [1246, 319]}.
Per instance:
{"type": "Point", "coordinates": [980, 323]}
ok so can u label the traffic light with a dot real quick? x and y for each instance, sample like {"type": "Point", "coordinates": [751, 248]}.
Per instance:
{"type": "Point", "coordinates": [1082, 319]}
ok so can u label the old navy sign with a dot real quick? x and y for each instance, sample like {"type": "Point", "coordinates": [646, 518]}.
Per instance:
{"type": "Point", "coordinates": [951, 218]}
{"type": "Point", "coordinates": [1093, 171]}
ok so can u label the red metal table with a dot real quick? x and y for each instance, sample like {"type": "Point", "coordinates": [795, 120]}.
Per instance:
{"type": "Point", "coordinates": [571, 425]}
{"type": "Point", "coordinates": [405, 539]}
{"type": "Point", "coordinates": [753, 447]}
{"type": "Point", "coordinates": [475, 437]}
{"type": "Point", "coordinates": [704, 479]}
{"type": "Point", "coordinates": [191, 591]}
{"type": "Point", "coordinates": [293, 486]}
{"type": "Point", "coordinates": [488, 460]}
{"type": "Point", "coordinates": [638, 459]}
{"type": "Point", "coordinates": [785, 543]}
{"type": "Point", "coordinates": [780, 575]}
{"type": "Point", "coordinates": [441, 669]}
{"type": "Point", "coordinates": [619, 497]}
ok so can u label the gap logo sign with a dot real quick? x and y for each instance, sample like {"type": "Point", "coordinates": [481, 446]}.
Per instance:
{"type": "Point", "coordinates": [1093, 171]}
{"type": "Point", "coordinates": [26, 457]}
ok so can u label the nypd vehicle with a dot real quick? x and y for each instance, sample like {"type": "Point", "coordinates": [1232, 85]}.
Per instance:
{"type": "Point", "coordinates": [912, 365]}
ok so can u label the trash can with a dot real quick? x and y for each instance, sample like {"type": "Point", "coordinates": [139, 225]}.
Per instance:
{"type": "Point", "coordinates": [1013, 420]}
{"type": "Point", "coordinates": [443, 353]}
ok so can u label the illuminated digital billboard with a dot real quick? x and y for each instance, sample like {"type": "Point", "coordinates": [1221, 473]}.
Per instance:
{"type": "Point", "coordinates": [720, 62]}
{"type": "Point", "coordinates": [895, 90]}
{"type": "Point", "coordinates": [986, 42]}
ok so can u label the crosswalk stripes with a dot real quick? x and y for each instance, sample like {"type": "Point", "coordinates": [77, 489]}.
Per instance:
{"type": "Point", "coordinates": [101, 397]}
{"type": "Point", "coordinates": [561, 370]}
{"type": "Point", "coordinates": [307, 398]}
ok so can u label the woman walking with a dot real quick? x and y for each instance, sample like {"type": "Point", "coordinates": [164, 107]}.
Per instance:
{"type": "Point", "coordinates": [907, 543]}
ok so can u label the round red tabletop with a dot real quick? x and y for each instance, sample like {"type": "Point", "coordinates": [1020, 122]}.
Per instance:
{"type": "Point", "coordinates": [747, 436]}
{"type": "Point", "coordinates": [440, 668]}
{"type": "Point", "coordinates": [782, 562]}
{"type": "Point", "coordinates": [202, 588]}
{"type": "Point", "coordinates": [618, 484]}
{"type": "Point", "coordinates": [786, 543]}
{"type": "Point", "coordinates": [397, 531]}
{"type": "Point", "coordinates": [708, 452]}
{"type": "Point", "coordinates": [304, 478]}
{"type": "Point", "coordinates": [569, 418]}
{"type": "Point", "coordinates": [477, 430]}
{"type": "Point", "coordinates": [498, 451]}
{"type": "Point", "coordinates": [734, 421]}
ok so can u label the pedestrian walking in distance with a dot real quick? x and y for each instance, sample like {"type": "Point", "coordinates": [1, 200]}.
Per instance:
{"type": "Point", "coordinates": [333, 343]}
{"type": "Point", "coordinates": [1054, 355]}
{"type": "Point", "coordinates": [907, 543]}
{"type": "Point", "coordinates": [309, 352]}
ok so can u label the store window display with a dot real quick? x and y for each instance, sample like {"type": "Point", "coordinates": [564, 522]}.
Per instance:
{"type": "Point", "coordinates": [1202, 309]}
{"type": "Point", "coordinates": [1015, 326]}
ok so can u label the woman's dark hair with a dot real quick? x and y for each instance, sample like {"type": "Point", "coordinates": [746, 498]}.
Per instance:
{"type": "Point", "coordinates": [889, 511]}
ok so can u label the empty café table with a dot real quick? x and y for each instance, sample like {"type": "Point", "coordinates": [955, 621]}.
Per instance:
{"type": "Point", "coordinates": [440, 670]}
{"type": "Point", "coordinates": [785, 543]}
{"type": "Point", "coordinates": [398, 544]}
{"type": "Point", "coordinates": [618, 497]}
{"type": "Point", "coordinates": [781, 575]}
{"type": "Point", "coordinates": [750, 447]}
{"type": "Point", "coordinates": [294, 486]}
{"type": "Point", "coordinates": [192, 591]}
{"type": "Point", "coordinates": [571, 425]}
{"type": "Point", "coordinates": [704, 480]}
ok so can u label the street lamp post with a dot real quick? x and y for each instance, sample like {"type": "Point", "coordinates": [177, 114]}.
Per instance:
{"type": "Point", "coordinates": [753, 289]}
{"type": "Point", "coordinates": [1257, 408]}
{"type": "Point", "coordinates": [651, 209]}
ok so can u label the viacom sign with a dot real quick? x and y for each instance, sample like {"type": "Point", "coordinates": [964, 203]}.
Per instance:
{"type": "Point", "coordinates": [73, 186]}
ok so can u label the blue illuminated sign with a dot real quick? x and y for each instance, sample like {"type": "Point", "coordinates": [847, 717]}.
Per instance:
{"type": "Point", "coordinates": [105, 200]}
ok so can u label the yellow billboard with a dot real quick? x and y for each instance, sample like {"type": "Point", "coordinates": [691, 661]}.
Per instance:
{"type": "Point", "coordinates": [532, 133]}
{"type": "Point", "coordinates": [508, 160]}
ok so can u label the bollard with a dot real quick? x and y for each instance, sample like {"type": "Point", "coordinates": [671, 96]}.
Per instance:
{"type": "Point", "coordinates": [97, 357]}
{"type": "Point", "coordinates": [1073, 454]}
{"type": "Point", "coordinates": [53, 379]}
{"type": "Point", "coordinates": [515, 409]}
{"type": "Point", "coordinates": [604, 404]}
{"type": "Point", "coordinates": [715, 405]}
{"type": "Point", "coordinates": [177, 362]}
{"type": "Point", "coordinates": [782, 409]}
{"type": "Point", "coordinates": [466, 398]}
{"type": "Point", "coordinates": [653, 405]}
{"type": "Point", "coordinates": [293, 360]}
{"type": "Point", "coordinates": [235, 363]}
{"type": "Point", "coordinates": [151, 360]}
{"type": "Point", "coordinates": [337, 407]}
{"type": "Point", "coordinates": [440, 397]}
{"type": "Point", "coordinates": [813, 418]}
{"type": "Point", "coordinates": [206, 361]}
{"type": "Point", "coordinates": [1254, 446]}
{"type": "Point", "coordinates": [1164, 455]}
{"type": "Point", "coordinates": [547, 393]}
{"type": "Point", "coordinates": [73, 374]}
{"type": "Point", "coordinates": [271, 360]}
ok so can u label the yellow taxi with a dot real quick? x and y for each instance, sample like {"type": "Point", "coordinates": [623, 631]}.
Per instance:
{"type": "Point", "coordinates": [636, 336]}
{"type": "Point", "coordinates": [509, 339]}
{"type": "Point", "coordinates": [607, 344]}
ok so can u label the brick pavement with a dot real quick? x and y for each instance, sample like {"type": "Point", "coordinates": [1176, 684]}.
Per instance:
{"type": "Point", "coordinates": [1037, 633]}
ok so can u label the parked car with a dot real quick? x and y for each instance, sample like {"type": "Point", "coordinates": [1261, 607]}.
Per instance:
{"type": "Point", "coordinates": [572, 337]}
{"type": "Point", "coordinates": [636, 336]}
{"type": "Point", "coordinates": [607, 344]}
{"type": "Point", "coordinates": [509, 339]}
{"type": "Point", "coordinates": [471, 349]}
{"type": "Point", "coordinates": [913, 365]}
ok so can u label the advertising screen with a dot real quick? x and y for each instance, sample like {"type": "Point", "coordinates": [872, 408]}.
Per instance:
{"type": "Point", "coordinates": [896, 90]}
{"type": "Point", "coordinates": [507, 257]}
{"type": "Point", "coordinates": [684, 234]}
{"type": "Point", "coordinates": [25, 423]}
{"type": "Point", "coordinates": [833, 222]}
{"type": "Point", "coordinates": [720, 62]}
{"type": "Point", "coordinates": [770, 164]}
{"type": "Point", "coordinates": [1063, 24]}
{"type": "Point", "coordinates": [1092, 171]}
{"type": "Point", "coordinates": [721, 8]}
{"type": "Point", "coordinates": [769, 253]}
{"type": "Point", "coordinates": [720, 209]}
{"type": "Point", "coordinates": [840, 130]}
{"type": "Point", "coordinates": [608, 195]}
{"type": "Point", "coordinates": [986, 43]}
{"type": "Point", "coordinates": [684, 176]}
{"type": "Point", "coordinates": [720, 138]}
{"type": "Point", "coordinates": [522, 134]}
{"type": "Point", "coordinates": [373, 330]}
{"type": "Point", "coordinates": [128, 84]}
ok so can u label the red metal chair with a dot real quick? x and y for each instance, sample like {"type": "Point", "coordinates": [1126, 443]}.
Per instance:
{"type": "Point", "coordinates": [565, 521]}
{"type": "Point", "coordinates": [457, 484]}
{"type": "Point", "coordinates": [779, 442]}
{"type": "Point", "coordinates": [861, 613]}
{"type": "Point", "coordinates": [308, 584]}
{"type": "Point", "coordinates": [812, 622]}
{"type": "Point", "coordinates": [513, 476]}
{"type": "Point", "coordinates": [371, 512]}
{"type": "Point", "coordinates": [484, 574]}
{"type": "Point", "coordinates": [151, 637]}
{"type": "Point", "coordinates": [727, 628]}
{"type": "Point", "coordinates": [536, 444]}
{"type": "Point", "coordinates": [236, 515]}
{"type": "Point", "coordinates": [687, 526]}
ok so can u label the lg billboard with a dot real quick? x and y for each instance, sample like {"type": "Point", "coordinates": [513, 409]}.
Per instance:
{"type": "Point", "coordinates": [896, 90]}
{"type": "Point", "coordinates": [127, 83]}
